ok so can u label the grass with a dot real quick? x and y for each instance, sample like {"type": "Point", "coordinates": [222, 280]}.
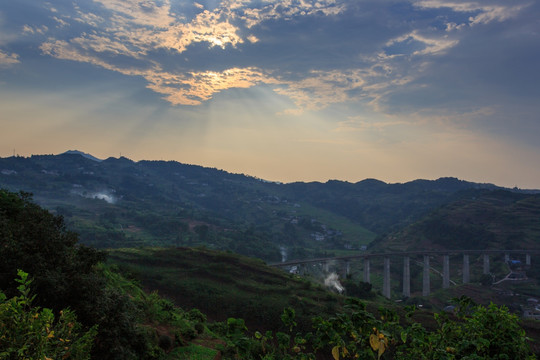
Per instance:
{"type": "Point", "coordinates": [192, 352]}
{"type": "Point", "coordinates": [350, 229]}
{"type": "Point", "coordinates": [224, 285]}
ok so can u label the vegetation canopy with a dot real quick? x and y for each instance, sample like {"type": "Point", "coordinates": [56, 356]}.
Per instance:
{"type": "Point", "coordinates": [67, 303]}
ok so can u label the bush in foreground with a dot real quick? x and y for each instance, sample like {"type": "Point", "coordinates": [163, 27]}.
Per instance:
{"type": "Point", "coordinates": [30, 332]}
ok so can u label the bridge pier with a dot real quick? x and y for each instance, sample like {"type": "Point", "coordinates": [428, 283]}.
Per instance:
{"type": "Point", "coordinates": [406, 277]}
{"type": "Point", "coordinates": [486, 264]}
{"type": "Point", "coordinates": [346, 269]}
{"type": "Point", "coordinates": [466, 273]}
{"type": "Point", "coordinates": [367, 277]}
{"type": "Point", "coordinates": [342, 265]}
{"type": "Point", "coordinates": [386, 278]}
{"type": "Point", "coordinates": [425, 280]}
{"type": "Point", "coordinates": [446, 272]}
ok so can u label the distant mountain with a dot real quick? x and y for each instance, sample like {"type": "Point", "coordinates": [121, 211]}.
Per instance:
{"type": "Point", "coordinates": [383, 207]}
{"type": "Point", "coordinates": [77, 152]}
{"type": "Point", "coordinates": [118, 202]}
{"type": "Point", "coordinates": [482, 220]}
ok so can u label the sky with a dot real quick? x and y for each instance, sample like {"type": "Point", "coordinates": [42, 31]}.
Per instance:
{"type": "Point", "coordinates": [288, 90]}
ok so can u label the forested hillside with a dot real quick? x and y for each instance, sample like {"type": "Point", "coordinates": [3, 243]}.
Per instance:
{"type": "Point", "coordinates": [58, 300]}
{"type": "Point", "coordinates": [482, 220]}
{"type": "Point", "coordinates": [121, 203]}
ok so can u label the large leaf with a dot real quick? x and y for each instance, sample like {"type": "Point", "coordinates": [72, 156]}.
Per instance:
{"type": "Point", "coordinates": [335, 352]}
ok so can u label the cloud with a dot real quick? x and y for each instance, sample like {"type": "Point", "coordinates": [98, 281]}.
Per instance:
{"type": "Point", "coordinates": [317, 53]}
{"type": "Point", "coordinates": [185, 88]}
{"type": "Point", "coordinates": [414, 43]}
{"type": "Point", "coordinates": [320, 89]}
{"type": "Point", "coordinates": [30, 30]}
{"type": "Point", "coordinates": [284, 10]}
{"type": "Point", "coordinates": [480, 13]}
{"type": "Point", "coordinates": [196, 87]}
{"type": "Point", "coordinates": [88, 18]}
{"type": "Point", "coordinates": [134, 29]}
{"type": "Point", "coordinates": [152, 13]}
{"type": "Point", "coordinates": [356, 124]}
{"type": "Point", "coordinates": [61, 23]}
{"type": "Point", "coordinates": [8, 59]}
{"type": "Point", "coordinates": [206, 27]}
{"type": "Point", "coordinates": [387, 84]}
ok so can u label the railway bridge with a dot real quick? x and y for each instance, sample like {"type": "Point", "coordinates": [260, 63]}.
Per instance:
{"type": "Point", "coordinates": [406, 256]}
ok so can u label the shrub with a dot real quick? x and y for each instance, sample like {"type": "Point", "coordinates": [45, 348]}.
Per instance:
{"type": "Point", "coordinates": [196, 315]}
{"type": "Point", "coordinates": [29, 332]}
{"type": "Point", "coordinates": [186, 330]}
{"type": "Point", "coordinates": [165, 342]}
{"type": "Point", "coordinates": [199, 327]}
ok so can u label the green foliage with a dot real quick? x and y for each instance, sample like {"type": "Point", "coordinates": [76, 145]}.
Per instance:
{"type": "Point", "coordinates": [442, 232]}
{"type": "Point", "coordinates": [193, 352]}
{"type": "Point", "coordinates": [223, 285]}
{"type": "Point", "coordinates": [196, 315]}
{"type": "Point", "coordinates": [30, 332]}
{"type": "Point", "coordinates": [350, 334]}
{"type": "Point", "coordinates": [495, 219]}
{"type": "Point", "coordinates": [359, 289]}
{"type": "Point", "coordinates": [162, 203]}
{"type": "Point", "coordinates": [479, 332]}
{"type": "Point", "coordinates": [165, 342]}
{"type": "Point", "coordinates": [37, 241]}
{"type": "Point", "coordinates": [69, 275]}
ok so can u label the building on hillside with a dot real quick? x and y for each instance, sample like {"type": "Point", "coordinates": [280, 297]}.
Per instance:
{"type": "Point", "coordinates": [532, 309]}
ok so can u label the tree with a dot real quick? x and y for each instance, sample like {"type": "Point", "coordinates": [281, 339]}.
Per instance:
{"type": "Point", "coordinates": [65, 275]}
{"type": "Point", "coordinates": [33, 239]}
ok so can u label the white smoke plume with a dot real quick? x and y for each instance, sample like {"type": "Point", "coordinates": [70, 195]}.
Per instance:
{"type": "Point", "coordinates": [106, 195]}
{"type": "Point", "coordinates": [332, 282]}
{"type": "Point", "coordinates": [283, 251]}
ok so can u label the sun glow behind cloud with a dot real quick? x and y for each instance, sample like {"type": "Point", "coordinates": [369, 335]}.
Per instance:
{"type": "Point", "coordinates": [135, 29]}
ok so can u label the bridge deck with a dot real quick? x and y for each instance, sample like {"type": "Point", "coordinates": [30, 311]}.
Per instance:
{"type": "Point", "coordinates": [405, 253]}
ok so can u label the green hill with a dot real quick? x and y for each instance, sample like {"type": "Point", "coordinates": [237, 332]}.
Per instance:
{"type": "Point", "coordinates": [76, 307]}
{"type": "Point", "coordinates": [486, 220]}
{"type": "Point", "coordinates": [226, 285]}
{"type": "Point", "coordinates": [119, 203]}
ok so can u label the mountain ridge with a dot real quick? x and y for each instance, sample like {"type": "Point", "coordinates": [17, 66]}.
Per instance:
{"type": "Point", "coordinates": [118, 202]}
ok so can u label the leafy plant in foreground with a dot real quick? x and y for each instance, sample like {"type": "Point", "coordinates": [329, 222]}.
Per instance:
{"type": "Point", "coordinates": [29, 332]}
{"type": "Point", "coordinates": [475, 332]}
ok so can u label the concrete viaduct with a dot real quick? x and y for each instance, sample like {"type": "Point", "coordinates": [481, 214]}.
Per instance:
{"type": "Point", "coordinates": [406, 265]}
